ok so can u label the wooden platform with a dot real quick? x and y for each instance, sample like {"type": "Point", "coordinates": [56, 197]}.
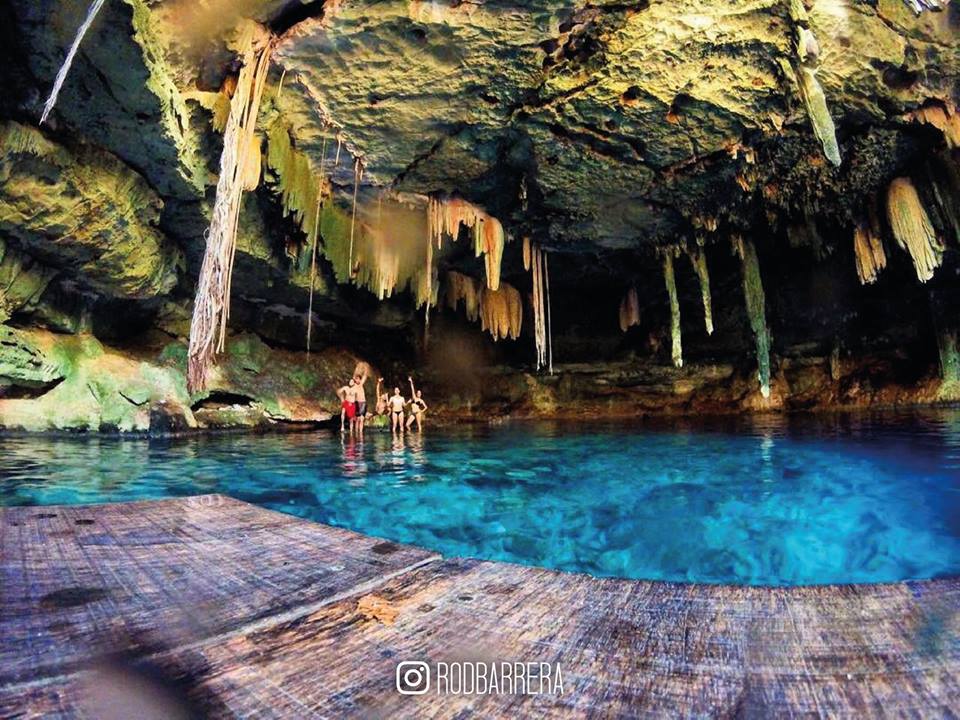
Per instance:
{"type": "Point", "coordinates": [207, 606]}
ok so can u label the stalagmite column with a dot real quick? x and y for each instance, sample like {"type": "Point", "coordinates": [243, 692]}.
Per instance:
{"type": "Point", "coordinates": [211, 308]}
{"type": "Point", "coordinates": [806, 67]}
{"type": "Point", "coordinates": [671, 283]}
{"type": "Point", "coordinates": [912, 228]}
{"type": "Point", "coordinates": [698, 257]}
{"type": "Point", "coordinates": [756, 308]}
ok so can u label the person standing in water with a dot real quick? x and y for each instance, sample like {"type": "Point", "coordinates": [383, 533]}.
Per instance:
{"type": "Point", "coordinates": [382, 399]}
{"type": "Point", "coordinates": [396, 403]}
{"type": "Point", "coordinates": [348, 404]}
{"type": "Point", "coordinates": [360, 378]}
{"type": "Point", "coordinates": [417, 407]}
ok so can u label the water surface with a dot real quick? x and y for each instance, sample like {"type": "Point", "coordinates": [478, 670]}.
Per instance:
{"type": "Point", "coordinates": [782, 501]}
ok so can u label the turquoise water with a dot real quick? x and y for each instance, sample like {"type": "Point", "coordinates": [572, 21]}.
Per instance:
{"type": "Point", "coordinates": [770, 501]}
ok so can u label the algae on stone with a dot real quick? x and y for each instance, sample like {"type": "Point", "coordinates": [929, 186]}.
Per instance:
{"type": "Point", "coordinates": [85, 212]}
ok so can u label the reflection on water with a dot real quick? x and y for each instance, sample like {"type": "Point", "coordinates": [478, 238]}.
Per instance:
{"type": "Point", "coordinates": [762, 500]}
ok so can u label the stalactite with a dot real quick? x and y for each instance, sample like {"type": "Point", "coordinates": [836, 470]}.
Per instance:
{"type": "Point", "coordinates": [629, 310]}
{"type": "Point", "coordinates": [299, 186]}
{"type": "Point", "coordinates": [945, 118]}
{"type": "Point", "coordinates": [463, 288]}
{"type": "Point", "coordinates": [446, 215]}
{"type": "Point", "coordinates": [212, 305]}
{"type": "Point", "coordinates": [357, 175]}
{"type": "Point", "coordinates": [542, 331]}
{"type": "Point", "coordinates": [756, 308]}
{"type": "Point", "coordinates": [869, 252]}
{"type": "Point", "coordinates": [698, 258]}
{"type": "Point", "coordinates": [912, 228]}
{"type": "Point", "coordinates": [546, 275]}
{"type": "Point", "coordinates": [807, 65]}
{"type": "Point", "coordinates": [68, 61]}
{"type": "Point", "coordinates": [501, 312]}
{"type": "Point", "coordinates": [942, 175]}
{"type": "Point", "coordinates": [676, 352]}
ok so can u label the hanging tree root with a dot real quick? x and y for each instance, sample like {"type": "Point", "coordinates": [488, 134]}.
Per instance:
{"type": "Point", "coordinates": [756, 308]}
{"type": "Point", "coordinates": [211, 308]}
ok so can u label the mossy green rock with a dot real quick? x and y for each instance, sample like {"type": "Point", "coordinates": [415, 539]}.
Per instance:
{"type": "Point", "coordinates": [83, 211]}
{"type": "Point", "coordinates": [84, 385]}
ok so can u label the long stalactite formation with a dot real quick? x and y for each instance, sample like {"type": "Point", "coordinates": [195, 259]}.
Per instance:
{"type": "Point", "coordinates": [912, 228]}
{"type": "Point", "coordinates": [698, 258]}
{"type": "Point", "coordinates": [806, 67]}
{"type": "Point", "coordinates": [212, 305]}
{"type": "Point", "coordinates": [676, 344]}
{"type": "Point", "coordinates": [943, 117]}
{"type": "Point", "coordinates": [542, 339]}
{"type": "Point", "coordinates": [501, 312]}
{"type": "Point", "coordinates": [868, 252]}
{"type": "Point", "coordinates": [446, 215]}
{"type": "Point", "coordinates": [756, 308]}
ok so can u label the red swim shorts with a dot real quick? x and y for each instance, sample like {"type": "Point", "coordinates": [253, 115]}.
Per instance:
{"type": "Point", "coordinates": [350, 409]}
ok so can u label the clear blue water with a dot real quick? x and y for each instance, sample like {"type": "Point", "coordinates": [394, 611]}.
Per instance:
{"type": "Point", "coordinates": [776, 501]}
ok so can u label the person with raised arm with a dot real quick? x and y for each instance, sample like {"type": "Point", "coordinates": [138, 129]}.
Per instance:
{"type": "Point", "coordinates": [417, 407]}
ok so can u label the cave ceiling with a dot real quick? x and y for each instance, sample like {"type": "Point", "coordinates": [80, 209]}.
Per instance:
{"type": "Point", "coordinates": [589, 126]}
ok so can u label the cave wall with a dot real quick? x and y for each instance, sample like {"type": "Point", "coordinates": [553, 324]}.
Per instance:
{"type": "Point", "coordinates": [611, 135]}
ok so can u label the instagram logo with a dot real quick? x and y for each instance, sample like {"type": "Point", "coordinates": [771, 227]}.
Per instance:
{"type": "Point", "coordinates": [413, 677]}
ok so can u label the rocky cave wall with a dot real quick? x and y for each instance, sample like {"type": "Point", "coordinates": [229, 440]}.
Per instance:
{"type": "Point", "coordinates": [612, 135]}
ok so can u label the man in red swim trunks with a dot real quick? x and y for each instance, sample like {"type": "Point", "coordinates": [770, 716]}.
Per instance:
{"type": "Point", "coordinates": [348, 404]}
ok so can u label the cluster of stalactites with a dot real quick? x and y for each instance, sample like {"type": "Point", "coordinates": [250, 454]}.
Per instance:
{"type": "Point", "coordinates": [698, 258]}
{"type": "Point", "coordinates": [806, 67]}
{"type": "Point", "coordinates": [868, 250]}
{"type": "Point", "coordinates": [499, 311]}
{"type": "Point", "coordinates": [629, 310]}
{"type": "Point", "coordinates": [676, 346]}
{"type": "Point", "coordinates": [912, 228]}
{"type": "Point", "coordinates": [535, 261]}
{"type": "Point", "coordinates": [301, 188]}
{"type": "Point", "coordinates": [756, 308]}
{"type": "Point", "coordinates": [446, 215]}
{"type": "Point", "coordinates": [464, 289]}
{"type": "Point", "coordinates": [238, 172]}
{"type": "Point", "coordinates": [943, 117]}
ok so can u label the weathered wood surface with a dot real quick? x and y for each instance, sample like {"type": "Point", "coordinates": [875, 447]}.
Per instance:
{"type": "Point", "coordinates": [254, 614]}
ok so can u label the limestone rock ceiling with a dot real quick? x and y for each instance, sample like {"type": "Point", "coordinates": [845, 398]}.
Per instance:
{"type": "Point", "coordinates": [624, 120]}
{"type": "Point", "coordinates": [588, 126]}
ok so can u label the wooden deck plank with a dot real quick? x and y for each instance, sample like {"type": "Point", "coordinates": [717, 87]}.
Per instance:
{"type": "Point", "coordinates": [84, 581]}
{"type": "Point", "coordinates": [296, 642]}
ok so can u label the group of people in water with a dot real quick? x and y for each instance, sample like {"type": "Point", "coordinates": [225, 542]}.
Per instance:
{"type": "Point", "coordinates": [400, 412]}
